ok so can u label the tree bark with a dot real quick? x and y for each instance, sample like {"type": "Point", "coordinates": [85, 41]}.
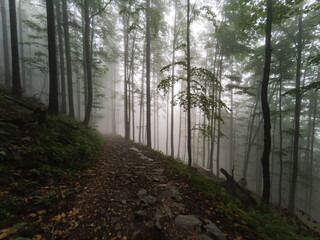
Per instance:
{"type": "Point", "coordinates": [62, 69]}
{"type": "Point", "coordinates": [23, 71]}
{"type": "Point", "coordinates": [265, 108]}
{"type": "Point", "coordinates": [88, 61]}
{"type": "Point", "coordinates": [148, 75]}
{"type": "Point", "coordinates": [292, 189]}
{"type": "Point", "coordinates": [53, 92]}
{"type": "Point", "coordinates": [7, 79]}
{"type": "Point", "coordinates": [188, 85]}
{"type": "Point", "coordinates": [16, 83]}
{"type": "Point", "coordinates": [68, 57]}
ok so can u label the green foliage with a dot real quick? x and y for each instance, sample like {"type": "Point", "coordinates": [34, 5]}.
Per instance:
{"type": "Point", "coordinates": [268, 223]}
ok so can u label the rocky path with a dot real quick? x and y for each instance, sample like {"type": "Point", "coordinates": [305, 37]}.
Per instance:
{"type": "Point", "coordinates": [133, 194]}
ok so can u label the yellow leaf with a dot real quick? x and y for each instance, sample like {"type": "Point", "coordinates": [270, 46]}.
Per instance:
{"type": "Point", "coordinates": [3, 235]}
{"type": "Point", "coordinates": [32, 215]}
{"type": "Point", "coordinates": [42, 212]}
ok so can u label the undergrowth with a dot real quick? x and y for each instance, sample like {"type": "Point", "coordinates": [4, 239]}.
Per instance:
{"type": "Point", "coordinates": [40, 155]}
{"type": "Point", "coordinates": [265, 221]}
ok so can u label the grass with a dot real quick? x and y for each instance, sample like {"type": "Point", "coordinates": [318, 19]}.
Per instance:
{"type": "Point", "coordinates": [266, 221]}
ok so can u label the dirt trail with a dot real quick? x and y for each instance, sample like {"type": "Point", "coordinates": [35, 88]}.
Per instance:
{"type": "Point", "coordinates": [133, 194]}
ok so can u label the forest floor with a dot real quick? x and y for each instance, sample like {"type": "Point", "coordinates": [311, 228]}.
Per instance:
{"type": "Point", "coordinates": [52, 186]}
{"type": "Point", "coordinates": [133, 194]}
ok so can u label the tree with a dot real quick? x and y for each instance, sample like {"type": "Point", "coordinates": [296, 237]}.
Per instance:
{"type": "Point", "coordinates": [62, 67]}
{"type": "Point", "coordinates": [5, 44]}
{"type": "Point", "coordinates": [148, 96]}
{"type": "Point", "coordinates": [265, 108]}
{"type": "Point", "coordinates": [88, 61]}
{"type": "Point", "coordinates": [16, 83]}
{"type": "Point", "coordinates": [297, 111]}
{"type": "Point", "coordinates": [53, 91]}
{"type": "Point", "coordinates": [68, 57]}
{"type": "Point", "coordinates": [188, 85]}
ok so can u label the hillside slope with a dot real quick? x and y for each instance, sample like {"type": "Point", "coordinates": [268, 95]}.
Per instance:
{"type": "Point", "coordinates": [58, 183]}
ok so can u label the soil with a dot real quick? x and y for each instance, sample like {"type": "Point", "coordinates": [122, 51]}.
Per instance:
{"type": "Point", "coordinates": [112, 203]}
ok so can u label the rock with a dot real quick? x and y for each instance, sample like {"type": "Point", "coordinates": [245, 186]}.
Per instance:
{"type": "Point", "coordinates": [204, 237]}
{"type": "Point", "coordinates": [189, 222]}
{"type": "Point", "coordinates": [149, 200]}
{"type": "Point", "coordinates": [167, 210]}
{"type": "Point", "coordinates": [117, 227]}
{"type": "Point", "coordinates": [158, 171]}
{"type": "Point", "coordinates": [142, 192]}
{"type": "Point", "coordinates": [175, 194]}
{"type": "Point", "coordinates": [140, 167]}
{"type": "Point", "coordinates": [124, 201]}
{"type": "Point", "coordinates": [214, 230]}
{"type": "Point", "coordinates": [140, 213]}
{"type": "Point", "coordinates": [135, 149]}
{"type": "Point", "coordinates": [158, 225]}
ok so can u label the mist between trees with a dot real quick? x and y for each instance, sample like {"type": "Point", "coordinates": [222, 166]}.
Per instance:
{"type": "Point", "coordinates": [184, 77]}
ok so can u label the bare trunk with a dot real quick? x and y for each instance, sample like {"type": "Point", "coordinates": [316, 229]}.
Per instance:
{"type": "Point", "coordinates": [7, 78]}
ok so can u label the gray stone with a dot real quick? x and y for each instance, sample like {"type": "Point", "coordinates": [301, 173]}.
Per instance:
{"type": "Point", "coordinates": [140, 213]}
{"type": "Point", "coordinates": [135, 149]}
{"type": "Point", "coordinates": [204, 237]}
{"type": "Point", "coordinates": [142, 192]}
{"type": "Point", "coordinates": [188, 221]}
{"type": "Point", "coordinates": [117, 227]}
{"type": "Point", "coordinates": [167, 210]}
{"type": "Point", "coordinates": [214, 230]}
{"type": "Point", "coordinates": [124, 201]}
{"type": "Point", "coordinates": [158, 171]}
{"type": "Point", "coordinates": [158, 225]}
{"type": "Point", "coordinates": [175, 194]}
{"type": "Point", "coordinates": [149, 200]}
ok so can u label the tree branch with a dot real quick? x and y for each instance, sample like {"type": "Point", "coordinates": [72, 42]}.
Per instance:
{"type": "Point", "coordinates": [101, 10]}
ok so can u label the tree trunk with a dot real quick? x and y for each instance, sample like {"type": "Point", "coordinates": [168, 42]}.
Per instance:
{"type": "Point", "coordinates": [148, 75]}
{"type": "Point", "coordinates": [7, 79]}
{"type": "Point", "coordinates": [280, 138]}
{"type": "Point", "coordinates": [23, 71]}
{"type": "Point", "coordinates": [53, 92]}
{"type": "Point", "coordinates": [265, 108]}
{"type": "Point", "coordinates": [188, 85]}
{"type": "Point", "coordinates": [125, 42]}
{"type": "Point", "coordinates": [16, 83]}
{"type": "Point", "coordinates": [68, 57]}
{"type": "Point", "coordinates": [88, 63]}
{"type": "Point", "coordinates": [172, 78]}
{"type": "Point", "coordinates": [292, 189]}
{"type": "Point", "coordinates": [61, 54]}
{"type": "Point", "coordinates": [142, 100]}
{"type": "Point", "coordinates": [219, 115]}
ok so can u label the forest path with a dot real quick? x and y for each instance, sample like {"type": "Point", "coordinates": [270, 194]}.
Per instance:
{"type": "Point", "coordinates": [133, 194]}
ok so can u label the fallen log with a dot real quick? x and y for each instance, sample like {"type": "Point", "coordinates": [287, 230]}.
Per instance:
{"type": "Point", "coordinates": [235, 189]}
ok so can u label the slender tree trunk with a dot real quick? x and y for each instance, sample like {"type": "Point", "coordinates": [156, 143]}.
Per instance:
{"type": "Point", "coordinates": [85, 75]}
{"type": "Point", "coordinates": [88, 63]}
{"type": "Point", "coordinates": [265, 108]}
{"type": "Point", "coordinates": [61, 54]}
{"type": "Point", "coordinates": [68, 57]}
{"type": "Point", "coordinates": [172, 78]}
{"type": "Point", "coordinates": [142, 99]}
{"type": "Point", "coordinates": [23, 71]}
{"type": "Point", "coordinates": [188, 85]}
{"type": "Point", "coordinates": [7, 79]}
{"type": "Point", "coordinates": [280, 139]}
{"type": "Point", "coordinates": [180, 124]}
{"type": "Point", "coordinates": [125, 42]}
{"type": "Point", "coordinates": [114, 101]}
{"type": "Point", "coordinates": [310, 173]}
{"type": "Point", "coordinates": [219, 115]}
{"type": "Point", "coordinates": [132, 85]}
{"type": "Point", "coordinates": [148, 76]}
{"type": "Point", "coordinates": [167, 120]}
{"type": "Point", "coordinates": [53, 92]}
{"type": "Point", "coordinates": [292, 190]}
{"type": "Point", "coordinates": [16, 83]}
